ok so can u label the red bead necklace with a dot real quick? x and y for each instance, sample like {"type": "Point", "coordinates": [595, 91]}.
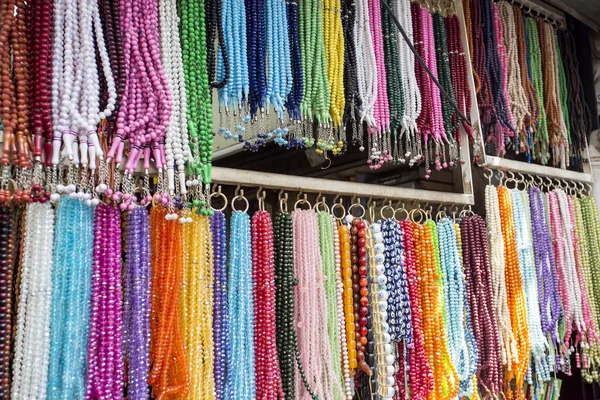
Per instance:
{"type": "Point", "coordinates": [267, 373]}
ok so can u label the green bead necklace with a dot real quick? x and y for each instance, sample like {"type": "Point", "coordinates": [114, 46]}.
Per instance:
{"type": "Point", "coordinates": [198, 93]}
{"type": "Point", "coordinates": [287, 340]}
{"type": "Point", "coordinates": [564, 93]}
{"type": "Point", "coordinates": [326, 233]}
{"type": "Point", "coordinates": [540, 137]}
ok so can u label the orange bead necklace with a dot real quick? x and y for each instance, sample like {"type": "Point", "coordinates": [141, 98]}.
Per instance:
{"type": "Point", "coordinates": [169, 376]}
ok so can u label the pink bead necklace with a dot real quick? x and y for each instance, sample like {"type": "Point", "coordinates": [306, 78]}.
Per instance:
{"type": "Point", "coordinates": [504, 63]}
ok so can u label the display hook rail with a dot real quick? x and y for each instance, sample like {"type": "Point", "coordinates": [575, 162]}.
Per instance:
{"type": "Point", "coordinates": [267, 180]}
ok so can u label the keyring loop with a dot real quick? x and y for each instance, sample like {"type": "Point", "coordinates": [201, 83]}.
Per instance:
{"type": "Point", "coordinates": [218, 194]}
{"type": "Point", "coordinates": [422, 215]}
{"type": "Point", "coordinates": [303, 200]}
{"type": "Point", "coordinates": [240, 197]}
{"type": "Point", "coordinates": [334, 207]}
{"type": "Point", "coordinates": [388, 207]}
{"type": "Point", "coordinates": [357, 205]}
{"type": "Point", "coordinates": [321, 203]}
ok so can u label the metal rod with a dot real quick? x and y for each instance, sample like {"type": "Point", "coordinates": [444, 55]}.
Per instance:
{"type": "Point", "coordinates": [420, 60]}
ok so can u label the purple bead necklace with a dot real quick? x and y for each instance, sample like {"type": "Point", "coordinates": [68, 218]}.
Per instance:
{"type": "Point", "coordinates": [548, 294]}
{"type": "Point", "coordinates": [105, 347]}
{"type": "Point", "coordinates": [137, 303]}
{"type": "Point", "coordinates": [220, 321]}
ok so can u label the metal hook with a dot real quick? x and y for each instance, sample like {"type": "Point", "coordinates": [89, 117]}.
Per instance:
{"type": "Point", "coordinates": [328, 159]}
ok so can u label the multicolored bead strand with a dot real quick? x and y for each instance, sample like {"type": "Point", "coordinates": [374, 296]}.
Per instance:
{"type": "Point", "coordinates": [72, 268]}
{"type": "Point", "coordinates": [196, 316]}
{"type": "Point", "coordinates": [240, 382]}
{"type": "Point", "coordinates": [167, 352]}
{"type": "Point", "coordinates": [32, 324]}
{"type": "Point", "coordinates": [138, 277]}
{"type": "Point", "coordinates": [105, 369]}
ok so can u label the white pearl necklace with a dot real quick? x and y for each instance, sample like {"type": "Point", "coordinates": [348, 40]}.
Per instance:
{"type": "Point", "coordinates": [366, 67]}
{"type": "Point", "coordinates": [177, 148]}
{"type": "Point", "coordinates": [497, 262]}
{"type": "Point", "coordinates": [412, 94]}
{"type": "Point", "coordinates": [32, 340]}
{"type": "Point", "coordinates": [379, 295]}
{"type": "Point", "coordinates": [75, 80]}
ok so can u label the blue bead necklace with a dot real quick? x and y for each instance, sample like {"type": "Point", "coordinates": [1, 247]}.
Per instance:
{"type": "Point", "coordinates": [398, 300]}
{"type": "Point", "coordinates": [279, 68]}
{"type": "Point", "coordinates": [256, 55]}
{"type": "Point", "coordinates": [240, 363]}
{"type": "Point", "coordinates": [462, 352]}
{"type": "Point", "coordinates": [523, 237]}
{"type": "Point", "coordinates": [295, 96]}
{"type": "Point", "coordinates": [71, 292]}
{"type": "Point", "coordinates": [220, 317]}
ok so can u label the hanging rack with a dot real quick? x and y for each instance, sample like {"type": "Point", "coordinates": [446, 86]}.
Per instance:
{"type": "Point", "coordinates": [233, 177]}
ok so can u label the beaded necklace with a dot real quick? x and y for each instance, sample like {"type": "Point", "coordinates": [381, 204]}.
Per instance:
{"type": "Point", "coordinates": [279, 69]}
{"type": "Point", "coordinates": [14, 72]}
{"type": "Point", "coordinates": [198, 95]}
{"type": "Point", "coordinates": [515, 296]}
{"type": "Point", "coordinates": [287, 340]}
{"type": "Point", "coordinates": [236, 88]}
{"type": "Point", "coordinates": [137, 303]}
{"type": "Point", "coordinates": [540, 137]}
{"type": "Point", "coordinates": [214, 33]}
{"type": "Point", "coordinates": [485, 98]}
{"type": "Point", "coordinates": [410, 152]}
{"type": "Point", "coordinates": [348, 301]}
{"type": "Point", "coordinates": [177, 148]}
{"type": "Point", "coordinates": [563, 94]}
{"type": "Point", "coordinates": [556, 128]}
{"type": "Point", "coordinates": [9, 245]}
{"type": "Point", "coordinates": [519, 106]}
{"type": "Point", "coordinates": [32, 323]}
{"type": "Point", "coordinates": [196, 316]}
{"type": "Point", "coordinates": [579, 114]}
{"type": "Point", "coordinates": [494, 69]}
{"type": "Point", "coordinates": [240, 382]}
{"type": "Point", "coordinates": [588, 220]}
{"type": "Point", "coordinates": [267, 373]}
{"type": "Point", "coordinates": [360, 289]}
{"type": "Point", "coordinates": [497, 262]}
{"type": "Point", "coordinates": [366, 67]}
{"type": "Point", "coordinates": [458, 72]}
{"type": "Point", "coordinates": [588, 338]}
{"type": "Point", "coordinates": [40, 89]}
{"type": "Point", "coordinates": [256, 37]}
{"type": "Point", "coordinates": [443, 73]}
{"type": "Point", "coordinates": [420, 373]}
{"type": "Point", "coordinates": [478, 275]}
{"type": "Point", "coordinates": [294, 98]}
{"type": "Point", "coordinates": [220, 318]}
{"type": "Point", "coordinates": [167, 352]}
{"type": "Point", "coordinates": [105, 368]}
{"type": "Point", "coordinates": [523, 241]}
{"type": "Point", "coordinates": [309, 295]}
{"type": "Point", "coordinates": [69, 328]}
{"type": "Point", "coordinates": [379, 288]}
{"type": "Point", "coordinates": [445, 381]}
{"type": "Point", "coordinates": [569, 294]}
{"type": "Point", "coordinates": [462, 352]}
{"type": "Point", "coordinates": [547, 284]}
{"type": "Point", "coordinates": [351, 93]}
{"type": "Point", "coordinates": [395, 88]}
{"type": "Point", "coordinates": [533, 114]}
{"type": "Point", "coordinates": [381, 111]}
{"type": "Point", "coordinates": [341, 319]}
{"type": "Point", "coordinates": [503, 61]}
{"type": "Point", "coordinates": [328, 256]}
{"type": "Point", "coordinates": [334, 52]}
{"type": "Point", "coordinates": [395, 272]}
